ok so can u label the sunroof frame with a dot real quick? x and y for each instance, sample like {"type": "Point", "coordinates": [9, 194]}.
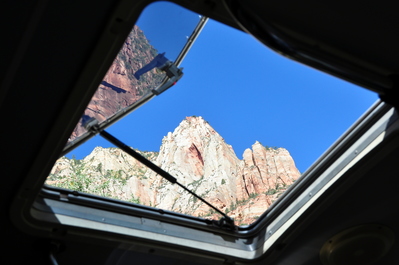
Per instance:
{"type": "Point", "coordinates": [62, 214]}
{"type": "Point", "coordinates": [115, 220]}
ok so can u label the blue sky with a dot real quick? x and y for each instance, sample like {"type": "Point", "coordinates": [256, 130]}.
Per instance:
{"type": "Point", "coordinates": [245, 91]}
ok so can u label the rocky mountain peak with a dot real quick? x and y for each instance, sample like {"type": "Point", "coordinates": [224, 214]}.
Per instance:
{"type": "Point", "coordinates": [193, 128]}
{"type": "Point", "coordinates": [201, 160]}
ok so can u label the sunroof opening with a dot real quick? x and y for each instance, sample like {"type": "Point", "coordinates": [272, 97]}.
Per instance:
{"type": "Point", "coordinates": [238, 129]}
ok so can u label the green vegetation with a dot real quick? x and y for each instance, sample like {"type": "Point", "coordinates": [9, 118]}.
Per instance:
{"type": "Point", "coordinates": [100, 167]}
{"type": "Point", "coordinates": [211, 212]}
{"type": "Point", "coordinates": [271, 191]}
{"type": "Point", "coordinates": [93, 179]}
{"type": "Point", "coordinates": [135, 200]}
{"type": "Point", "coordinates": [270, 148]}
{"type": "Point", "coordinates": [280, 188]}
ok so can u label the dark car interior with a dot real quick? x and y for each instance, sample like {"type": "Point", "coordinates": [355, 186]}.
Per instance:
{"type": "Point", "coordinates": [343, 211]}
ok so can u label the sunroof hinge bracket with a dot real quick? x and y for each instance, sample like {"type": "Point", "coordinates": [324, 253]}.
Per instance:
{"type": "Point", "coordinates": [174, 74]}
{"type": "Point", "coordinates": [225, 223]}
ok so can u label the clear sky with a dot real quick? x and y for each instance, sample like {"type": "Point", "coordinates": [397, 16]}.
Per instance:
{"type": "Point", "coordinates": [247, 93]}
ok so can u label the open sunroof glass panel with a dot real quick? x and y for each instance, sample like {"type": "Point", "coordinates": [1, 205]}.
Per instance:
{"type": "Point", "coordinates": [162, 36]}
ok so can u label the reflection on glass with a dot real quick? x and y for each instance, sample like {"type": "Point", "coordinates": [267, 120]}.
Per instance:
{"type": "Point", "coordinates": [142, 64]}
{"type": "Point", "coordinates": [120, 88]}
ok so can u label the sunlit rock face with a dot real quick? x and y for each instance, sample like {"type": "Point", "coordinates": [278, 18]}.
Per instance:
{"type": "Point", "coordinates": [201, 160]}
{"type": "Point", "coordinates": [264, 168]}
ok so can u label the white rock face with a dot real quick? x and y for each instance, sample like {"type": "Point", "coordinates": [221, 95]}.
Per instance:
{"type": "Point", "coordinates": [199, 158]}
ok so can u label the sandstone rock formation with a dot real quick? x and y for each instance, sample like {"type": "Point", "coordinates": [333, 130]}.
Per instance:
{"type": "Point", "coordinates": [201, 160]}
